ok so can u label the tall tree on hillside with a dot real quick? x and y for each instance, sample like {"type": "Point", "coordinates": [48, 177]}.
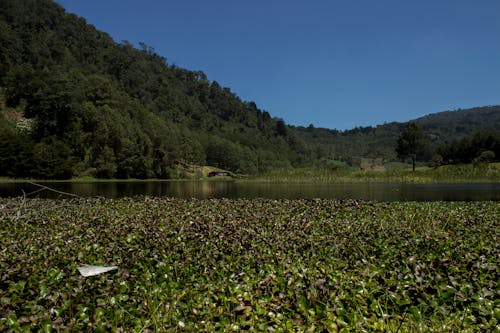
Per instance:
{"type": "Point", "coordinates": [411, 142]}
{"type": "Point", "coordinates": [281, 128]}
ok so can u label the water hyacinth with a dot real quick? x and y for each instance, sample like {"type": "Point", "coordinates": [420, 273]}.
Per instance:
{"type": "Point", "coordinates": [249, 265]}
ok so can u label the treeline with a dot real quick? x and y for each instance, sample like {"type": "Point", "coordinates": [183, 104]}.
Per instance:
{"type": "Point", "coordinates": [414, 144]}
{"type": "Point", "coordinates": [108, 109]}
{"type": "Point", "coordinates": [480, 148]}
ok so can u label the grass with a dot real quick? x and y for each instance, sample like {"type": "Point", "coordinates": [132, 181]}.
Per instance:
{"type": "Point", "coordinates": [249, 265]}
{"type": "Point", "coordinates": [467, 173]}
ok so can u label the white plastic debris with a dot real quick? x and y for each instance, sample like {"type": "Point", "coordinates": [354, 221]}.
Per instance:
{"type": "Point", "coordinates": [89, 270]}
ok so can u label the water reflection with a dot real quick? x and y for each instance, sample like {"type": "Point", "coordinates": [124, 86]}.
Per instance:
{"type": "Point", "coordinates": [224, 189]}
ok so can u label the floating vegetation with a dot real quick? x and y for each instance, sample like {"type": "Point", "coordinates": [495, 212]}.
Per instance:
{"type": "Point", "coordinates": [249, 265]}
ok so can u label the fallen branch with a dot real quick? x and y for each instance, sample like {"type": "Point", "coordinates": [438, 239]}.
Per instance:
{"type": "Point", "coordinates": [53, 190]}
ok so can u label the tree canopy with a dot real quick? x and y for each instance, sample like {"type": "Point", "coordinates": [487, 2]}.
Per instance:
{"type": "Point", "coordinates": [411, 142]}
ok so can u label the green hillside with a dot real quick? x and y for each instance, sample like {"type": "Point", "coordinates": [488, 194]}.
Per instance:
{"type": "Point", "coordinates": [73, 102]}
{"type": "Point", "coordinates": [116, 111]}
{"type": "Point", "coordinates": [441, 129]}
{"type": "Point", "coordinates": [455, 125]}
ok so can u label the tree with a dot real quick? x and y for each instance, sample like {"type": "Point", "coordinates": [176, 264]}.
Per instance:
{"type": "Point", "coordinates": [52, 159]}
{"type": "Point", "coordinates": [436, 160]}
{"type": "Point", "coordinates": [281, 128]}
{"type": "Point", "coordinates": [106, 163]}
{"type": "Point", "coordinates": [16, 150]}
{"type": "Point", "coordinates": [411, 142]}
{"type": "Point", "coordinates": [486, 156]}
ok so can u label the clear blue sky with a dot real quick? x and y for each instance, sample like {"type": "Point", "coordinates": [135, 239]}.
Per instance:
{"type": "Point", "coordinates": [330, 63]}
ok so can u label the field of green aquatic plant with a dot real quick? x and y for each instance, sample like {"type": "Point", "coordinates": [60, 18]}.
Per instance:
{"type": "Point", "coordinates": [249, 265]}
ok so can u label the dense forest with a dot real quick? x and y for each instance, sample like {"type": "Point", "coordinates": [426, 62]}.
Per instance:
{"type": "Point", "coordinates": [110, 110]}
{"type": "Point", "coordinates": [73, 102]}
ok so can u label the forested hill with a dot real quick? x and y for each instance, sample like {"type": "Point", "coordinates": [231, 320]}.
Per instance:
{"type": "Point", "coordinates": [457, 124]}
{"type": "Point", "coordinates": [75, 102]}
{"type": "Point", "coordinates": [440, 129]}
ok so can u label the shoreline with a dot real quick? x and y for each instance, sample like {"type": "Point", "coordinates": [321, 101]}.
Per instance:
{"type": "Point", "coordinates": [449, 174]}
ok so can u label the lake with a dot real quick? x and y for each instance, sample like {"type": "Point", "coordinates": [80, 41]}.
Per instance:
{"type": "Point", "coordinates": [230, 189]}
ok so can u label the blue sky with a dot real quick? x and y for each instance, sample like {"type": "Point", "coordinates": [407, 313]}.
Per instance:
{"type": "Point", "coordinates": [330, 63]}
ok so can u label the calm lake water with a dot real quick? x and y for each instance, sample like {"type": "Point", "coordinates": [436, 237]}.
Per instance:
{"type": "Point", "coordinates": [225, 189]}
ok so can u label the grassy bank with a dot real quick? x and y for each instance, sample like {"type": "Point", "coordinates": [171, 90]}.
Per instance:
{"type": "Point", "coordinates": [443, 174]}
{"type": "Point", "coordinates": [469, 173]}
{"type": "Point", "coordinates": [184, 174]}
{"type": "Point", "coordinates": [255, 265]}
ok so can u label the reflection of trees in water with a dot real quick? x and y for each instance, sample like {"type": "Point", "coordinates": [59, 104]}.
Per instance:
{"type": "Point", "coordinates": [224, 189]}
